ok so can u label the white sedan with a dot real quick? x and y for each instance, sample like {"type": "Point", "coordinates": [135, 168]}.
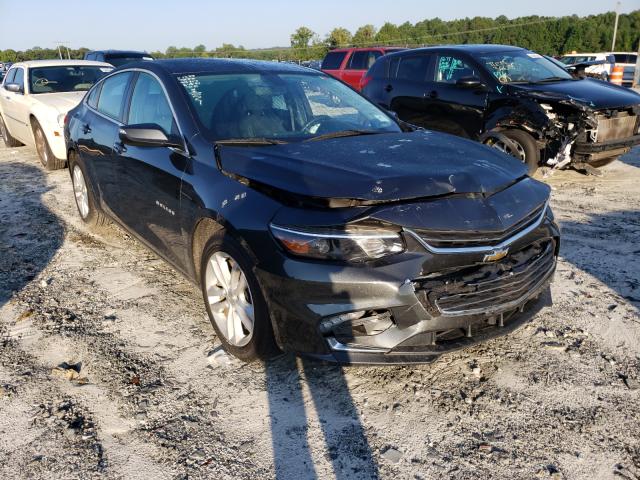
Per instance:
{"type": "Point", "coordinates": [34, 99]}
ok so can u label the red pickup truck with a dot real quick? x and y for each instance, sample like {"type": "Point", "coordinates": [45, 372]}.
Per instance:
{"type": "Point", "coordinates": [350, 64]}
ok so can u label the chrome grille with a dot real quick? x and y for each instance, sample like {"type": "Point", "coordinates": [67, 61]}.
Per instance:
{"type": "Point", "coordinates": [492, 288]}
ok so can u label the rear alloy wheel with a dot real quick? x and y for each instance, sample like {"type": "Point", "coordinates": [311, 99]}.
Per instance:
{"type": "Point", "coordinates": [47, 158]}
{"type": "Point", "coordinates": [83, 194]}
{"type": "Point", "coordinates": [518, 144]}
{"type": "Point", "coordinates": [234, 300]}
{"type": "Point", "coordinates": [9, 141]}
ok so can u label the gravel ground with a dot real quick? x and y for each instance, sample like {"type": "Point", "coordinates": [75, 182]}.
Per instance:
{"type": "Point", "coordinates": [109, 367]}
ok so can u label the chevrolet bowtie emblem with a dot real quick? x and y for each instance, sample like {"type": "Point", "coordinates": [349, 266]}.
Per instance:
{"type": "Point", "coordinates": [495, 255]}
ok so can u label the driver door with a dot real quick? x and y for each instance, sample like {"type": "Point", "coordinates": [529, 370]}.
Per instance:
{"type": "Point", "coordinates": [453, 108]}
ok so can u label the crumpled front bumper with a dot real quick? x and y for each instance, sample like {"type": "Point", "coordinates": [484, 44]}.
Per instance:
{"type": "Point", "coordinates": [594, 151]}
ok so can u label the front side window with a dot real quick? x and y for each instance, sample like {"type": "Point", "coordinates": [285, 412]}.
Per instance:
{"type": "Point", "coordinates": [333, 60]}
{"type": "Point", "coordinates": [71, 78]}
{"type": "Point", "coordinates": [149, 104]}
{"type": "Point", "coordinates": [111, 100]}
{"type": "Point", "coordinates": [451, 68]}
{"type": "Point", "coordinates": [284, 106]}
{"type": "Point", "coordinates": [521, 66]}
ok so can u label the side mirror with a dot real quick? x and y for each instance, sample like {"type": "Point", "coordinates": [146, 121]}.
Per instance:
{"type": "Point", "coordinates": [469, 82]}
{"type": "Point", "coordinates": [14, 87]}
{"type": "Point", "coordinates": [147, 135]}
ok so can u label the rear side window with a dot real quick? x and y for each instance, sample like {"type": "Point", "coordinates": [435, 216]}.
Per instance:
{"type": "Point", "coordinates": [90, 56]}
{"type": "Point", "coordinates": [92, 99]}
{"type": "Point", "coordinates": [111, 99]}
{"type": "Point", "coordinates": [149, 104]}
{"type": "Point", "coordinates": [412, 68]}
{"type": "Point", "coordinates": [333, 60]}
{"type": "Point", "coordinates": [363, 60]}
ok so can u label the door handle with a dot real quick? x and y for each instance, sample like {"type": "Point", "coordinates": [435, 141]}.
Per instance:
{"type": "Point", "coordinates": [119, 147]}
{"type": "Point", "coordinates": [8, 98]}
{"type": "Point", "coordinates": [388, 88]}
{"type": "Point", "coordinates": [433, 94]}
{"type": "Point", "coordinates": [86, 128]}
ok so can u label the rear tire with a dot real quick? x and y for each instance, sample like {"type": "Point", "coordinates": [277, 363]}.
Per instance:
{"type": "Point", "coordinates": [232, 301]}
{"type": "Point", "coordinates": [47, 158]}
{"type": "Point", "coordinates": [85, 200]}
{"type": "Point", "coordinates": [9, 141]}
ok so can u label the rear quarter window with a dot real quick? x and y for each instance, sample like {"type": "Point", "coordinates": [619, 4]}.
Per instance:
{"type": "Point", "coordinates": [333, 60]}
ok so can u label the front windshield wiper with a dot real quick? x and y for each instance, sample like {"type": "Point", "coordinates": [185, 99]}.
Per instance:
{"type": "Point", "coordinates": [552, 79]}
{"type": "Point", "coordinates": [342, 133]}
{"type": "Point", "coordinates": [250, 141]}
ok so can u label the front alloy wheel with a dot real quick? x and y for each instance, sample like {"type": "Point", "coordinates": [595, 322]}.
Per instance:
{"type": "Point", "coordinates": [230, 299]}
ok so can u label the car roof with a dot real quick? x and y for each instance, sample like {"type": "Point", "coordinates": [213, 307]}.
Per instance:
{"type": "Point", "coordinates": [120, 52]}
{"type": "Point", "coordinates": [61, 63]}
{"type": "Point", "coordinates": [216, 65]}
{"type": "Point", "coordinates": [468, 48]}
{"type": "Point", "coordinates": [358, 49]}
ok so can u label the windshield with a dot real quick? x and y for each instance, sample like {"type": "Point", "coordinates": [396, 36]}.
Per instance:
{"type": "Point", "coordinates": [573, 60]}
{"type": "Point", "coordinates": [521, 66]}
{"type": "Point", "coordinates": [64, 79]}
{"type": "Point", "coordinates": [282, 106]}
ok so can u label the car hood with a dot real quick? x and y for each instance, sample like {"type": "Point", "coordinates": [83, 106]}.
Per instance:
{"type": "Point", "coordinates": [587, 92]}
{"type": "Point", "coordinates": [62, 102]}
{"type": "Point", "coordinates": [376, 168]}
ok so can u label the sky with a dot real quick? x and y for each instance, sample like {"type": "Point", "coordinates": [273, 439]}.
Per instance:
{"type": "Point", "coordinates": [155, 25]}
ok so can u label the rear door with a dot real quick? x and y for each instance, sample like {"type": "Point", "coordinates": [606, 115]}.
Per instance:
{"type": "Point", "coordinates": [98, 128]}
{"type": "Point", "coordinates": [358, 64]}
{"type": "Point", "coordinates": [405, 89]}
{"type": "Point", "coordinates": [453, 108]}
{"type": "Point", "coordinates": [150, 177]}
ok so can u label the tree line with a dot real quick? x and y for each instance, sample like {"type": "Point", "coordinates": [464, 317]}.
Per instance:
{"type": "Point", "coordinates": [547, 35]}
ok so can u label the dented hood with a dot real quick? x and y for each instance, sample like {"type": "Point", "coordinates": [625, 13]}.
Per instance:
{"type": "Point", "coordinates": [384, 167]}
{"type": "Point", "coordinates": [587, 92]}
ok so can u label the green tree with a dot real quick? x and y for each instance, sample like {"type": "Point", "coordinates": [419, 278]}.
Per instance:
{"type": "Point", "coordinates": [365, 36]}
{"type": "Point", "coordinates": [339, 37]}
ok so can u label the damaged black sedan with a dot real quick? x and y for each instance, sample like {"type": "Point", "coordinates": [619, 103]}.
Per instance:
{"type": "Point", "coordinates": [312, 220]}
{"type": "Point", "coordinates": [512, 99]}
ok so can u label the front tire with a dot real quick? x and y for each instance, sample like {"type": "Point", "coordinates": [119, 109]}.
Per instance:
{"type": "Point", "coordinates": [47, 158]}
{"type": "Point", "coordinates": [85, 200]}
{"type": "Point", "coordinates": [521, 146]}
{"type": "Point", "coordinates": [9, 141]}
{"type": "Point", "coordinates": [234, 301]}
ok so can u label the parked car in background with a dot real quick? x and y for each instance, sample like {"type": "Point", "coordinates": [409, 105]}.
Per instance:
{"type": "Point", "coordinates": [310, 218]}
{"type": "Point", "coordinates": [627, 60]}
{"type": "Point", "coordinates": [602, 63]}
{"type": "Point", "coordinates": [117, 58]}
{"type": "Point", "coordinates": [350, 64]}
{"type": "Point", "coordinates": [509, 98]}
{"type": "Point", "coordinates": [35, 98]}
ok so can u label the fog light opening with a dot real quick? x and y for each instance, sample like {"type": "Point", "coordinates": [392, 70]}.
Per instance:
{"type": "Point", "coordinates": [357, 324]}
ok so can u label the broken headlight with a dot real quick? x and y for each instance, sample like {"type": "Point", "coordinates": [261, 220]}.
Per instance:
{"type": "Point", "coordinates": [354, 245]}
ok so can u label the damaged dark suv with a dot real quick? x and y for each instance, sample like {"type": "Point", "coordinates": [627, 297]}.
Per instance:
{"type": "Point", "coordinates": [510, 98]}
{"type": "Point", "coordinates": [312, 220]}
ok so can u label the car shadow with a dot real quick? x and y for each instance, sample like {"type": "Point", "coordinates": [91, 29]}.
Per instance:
{"type": "Point", "coordinates": [632, 158]}
{"type": "Point", "coordinates": [312, 414]}
{"type": "Point", "coordinates": [606, 247]}
{"type": "Point", "coordinates": [30, 234]}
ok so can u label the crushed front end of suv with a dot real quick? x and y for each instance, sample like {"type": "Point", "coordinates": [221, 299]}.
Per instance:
{"type": "Point", "coordinates": [311, 219]}
{"type": "Point", "coordinates": [512, 99]}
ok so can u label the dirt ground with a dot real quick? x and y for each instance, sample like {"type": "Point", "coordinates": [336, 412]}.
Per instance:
{"type": "Point", "coordinates": [109, 367]}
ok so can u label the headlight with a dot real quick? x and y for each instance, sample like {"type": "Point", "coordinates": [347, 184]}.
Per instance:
{"type": "Point", "coordinates": [61, 120]}
{"type": "Point", "coordinates": [354, 245]}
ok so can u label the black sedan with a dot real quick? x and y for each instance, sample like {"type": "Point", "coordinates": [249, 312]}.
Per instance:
{"type": "Point", "coordinates": [510, 98]}
{"type": "Point", "coordinates": [311, 219]}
